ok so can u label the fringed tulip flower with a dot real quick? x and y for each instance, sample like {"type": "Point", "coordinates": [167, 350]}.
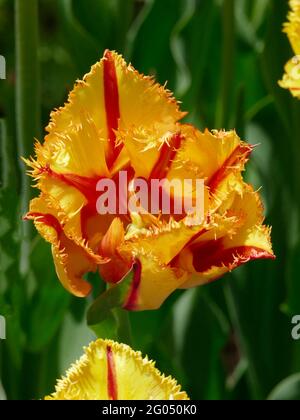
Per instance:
{"type": "Point", "coordinates": [291, 78]}
{"type": "Point", "coordinates": [113, 371]}
{"type": "Point", "coordinates": [117, 120]}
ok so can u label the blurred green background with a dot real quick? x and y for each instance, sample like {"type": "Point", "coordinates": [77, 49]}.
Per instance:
{"type": "Point", "coordinates": [231, 339]}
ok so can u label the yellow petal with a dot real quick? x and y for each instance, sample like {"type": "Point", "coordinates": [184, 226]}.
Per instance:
{"type": "Point", "coordinates": [113, 371]}
{"type": "Point", "coordinates": [209, 155]}
{"type": "Point", "coordinates": [291, 78]}
{"type": "Point", "coordinates": [144, 103]}
{"type": "Point", "coordinates": [292, 27]}
{"type": "Point", "coordinates": [164, 241]}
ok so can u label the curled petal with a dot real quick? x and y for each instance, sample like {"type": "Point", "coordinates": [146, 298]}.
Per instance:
{"type": "Point", "coordinates": [72, 257]}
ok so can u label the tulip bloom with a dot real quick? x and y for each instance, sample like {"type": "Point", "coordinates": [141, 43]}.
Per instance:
{"type": "Point", "coordinates": [291, 79]}
{"type": "Point", "coordinates": [118, 120]}
{"type": "Point", "coordinates": [113, 371]}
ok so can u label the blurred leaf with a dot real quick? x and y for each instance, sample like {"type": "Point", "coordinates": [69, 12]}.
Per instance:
{"type": "Point", "coordinates": [288, 389]}
{"type": "Point", "coordinates": [178, 48]}
{"type": "Point", "coordinates": [83, 47]}
{"type": "Point", "coordinates": [2, 393]}
{"type": "Point", "coordinates": [201, 333]}
{"type": "Point", "coordinates": [74, 336]}
{"type": "Point", "coordinates": [201, 56]}
{"type": "Point", "coordinates": [274, 57]}
{"type": "Point", "coordinates": [135, 27]}
{"type": "Point", "coordinates": [107, 329]}
{"type": "Point", "coordinates": [49, 303]}
{"type": "Point", "coordinates": [293, 302]}
{"type": "Point", "coordinates": [248, 22]}
{"type": "Point", "coordinates": [106, 21]}
{"type": "Point", "coordinates": [152, 53]}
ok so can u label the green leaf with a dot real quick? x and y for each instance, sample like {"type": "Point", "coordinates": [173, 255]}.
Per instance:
{"type": "Point", "coordinates": [102, 308]}
{"type": "Point", "coordinates": [288, 389]}
{"type": "Point", "coordinates": [107, 329]}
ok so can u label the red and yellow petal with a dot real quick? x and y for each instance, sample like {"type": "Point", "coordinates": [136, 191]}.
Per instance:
{"type": "Point", "coordinates": [163, 241]}
{"type": "Point", "coordinates": [211, 156]}
{"type": "Point", "coordinates": [72, 258]}
{"type": "Point", "coordinates": [113, 371]}
{"type": "Point", "coordinates": [116, 268]}
{"type": "Point", "coordinates": [208, 259]}
{"type": "Point", "coordinates": [152, 283]}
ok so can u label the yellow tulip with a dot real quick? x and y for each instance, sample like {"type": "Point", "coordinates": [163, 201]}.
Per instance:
{"type": "Point", "coordinates": [291, 78]}
{"type": "Point", "coordinates": [118, 120]}
{"type": "Point", "coordinates": [113, 371]}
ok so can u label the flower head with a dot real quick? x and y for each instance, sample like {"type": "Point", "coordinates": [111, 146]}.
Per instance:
{"type": "Point", "coordinates": [113, 371]}
{"type": "Point", "coordinates": [291, 78]}
{"type": "Point", "coordinates": [117, 120]}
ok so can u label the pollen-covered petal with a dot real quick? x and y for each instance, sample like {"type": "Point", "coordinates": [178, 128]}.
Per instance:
{"type": "Point", "coordinates": [113, 371]}
{"type": "Point", "coordinates": [209, 258]}
{"type": "Point", "coordinates": [152, 282]}
{"type": "Point", "coordinates": [72, 258]}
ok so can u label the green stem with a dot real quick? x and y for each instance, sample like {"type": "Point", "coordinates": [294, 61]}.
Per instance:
{"type": "Point", "coordinates": [227, 65]}
{"type": "Point", "coordinates": [27, 101]}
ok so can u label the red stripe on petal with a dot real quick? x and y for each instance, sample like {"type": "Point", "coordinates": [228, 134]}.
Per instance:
{"type": "Point", "coordinates": [131, 302]}
{"type": "Point", "coordinates": [112, 387]}
{"type": "Point", "coordinates": [47, 219]}
{"type": "Point", "coordinates": [112, 106]}
{"type": "Point", "coordinates": [87, 186]}
{"type": "Point", "coordinates": [212, 254]}
{"type": "Point", "coordinates": [241, 152]}
{"type": "Point", "coordinates": [86, 213]}
{"type": "Point", "coordinates": [167, 154]}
